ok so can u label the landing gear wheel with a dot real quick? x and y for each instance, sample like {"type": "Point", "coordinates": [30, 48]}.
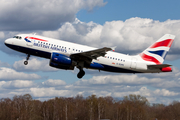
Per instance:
{"type": "Point", "coordinates": [81, 74]}
{"type": "Point", "coordinates": [25, 62]}
{"type": "Point", "coordinates": [27, 58]}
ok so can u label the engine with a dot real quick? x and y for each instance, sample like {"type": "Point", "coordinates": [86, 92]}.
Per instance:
{"type": "Point", "coordinates": [61, 61]}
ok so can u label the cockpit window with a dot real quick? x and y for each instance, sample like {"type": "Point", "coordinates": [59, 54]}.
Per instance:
{"type": "Point", "coordinates": [17, 37]}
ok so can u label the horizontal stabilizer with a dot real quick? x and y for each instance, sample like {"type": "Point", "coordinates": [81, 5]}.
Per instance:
{"type": "Point", "coordinates": [158, 66]}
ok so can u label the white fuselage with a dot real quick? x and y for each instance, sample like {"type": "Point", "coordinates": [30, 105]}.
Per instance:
{"type": "Point", "coordinates": [112, 61]}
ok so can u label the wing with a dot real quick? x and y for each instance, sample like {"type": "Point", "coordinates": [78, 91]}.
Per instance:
{"type": "Point", "coordinates": [89, 55]}
{"type": "Point", "coordinates": [158, 66]}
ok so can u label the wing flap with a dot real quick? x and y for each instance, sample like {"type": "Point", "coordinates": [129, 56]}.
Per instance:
{"type": "Point", "coordinates": [89, 55]}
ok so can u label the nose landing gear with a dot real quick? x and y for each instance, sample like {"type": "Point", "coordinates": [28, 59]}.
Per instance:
{"type": "Point", "coordinates": [27, 58]}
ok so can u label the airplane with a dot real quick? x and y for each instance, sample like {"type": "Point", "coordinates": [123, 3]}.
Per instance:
{"type": "Point", "coordinates": [67, 55]}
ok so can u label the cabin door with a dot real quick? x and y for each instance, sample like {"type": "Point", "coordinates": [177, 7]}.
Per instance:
{"type": "Point", "coordinates": [133, 63]}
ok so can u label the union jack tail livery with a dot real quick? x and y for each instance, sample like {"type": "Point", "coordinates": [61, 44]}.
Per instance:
{"type": "Point", "coordinates": [157, 52]}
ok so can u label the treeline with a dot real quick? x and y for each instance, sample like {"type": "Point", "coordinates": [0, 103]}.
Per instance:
{"type": "Point", "coordinates": [132, 107]}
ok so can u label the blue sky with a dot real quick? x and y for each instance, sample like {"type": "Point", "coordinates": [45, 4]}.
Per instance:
{"type": "Point", "coordinates": [130, 25]}
{"type": "Point", "coordinates": [124, 9]}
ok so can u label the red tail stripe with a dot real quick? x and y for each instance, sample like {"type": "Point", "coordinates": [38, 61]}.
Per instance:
{"type": "Point", "coordinates": [37, 39]}
{"type": "Point", "coordinates": [149, 58]}
{"type": "Point", "coordinates": [165, 43]}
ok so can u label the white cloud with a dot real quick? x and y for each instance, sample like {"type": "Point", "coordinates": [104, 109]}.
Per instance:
{"type": "Point", "coordinates": [2, 35]}
{"type": "Point", "coordinates": [116, 86]}
{"type": "Point", "coordinates": [10, 74]}
{"type": "Point", "coordinates": [34, 65]}
{"type": "Point", "coordinates": [17, 84]}
{"type": "Point", "coordinates": [49, 92]}
{"type": "Point", "coordinates": [41, 14]}
{"type": "Point", "coordinates": [123, 79]}
{"type": "Point", "coordinates": [51, 83]}
{"type": "Point", "coordinates": [165, 92]}
{"type": "Point", "coordinates": [131, 36]}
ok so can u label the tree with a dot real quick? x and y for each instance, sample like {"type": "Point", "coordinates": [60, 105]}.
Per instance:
{"type": "Point", "coordinates": [135, 107]}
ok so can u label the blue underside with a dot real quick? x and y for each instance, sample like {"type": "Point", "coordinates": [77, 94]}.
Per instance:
{"type": "Point", "coordinates": [48, 56]}
{"type": "Point", "coordinates": [30, 51]}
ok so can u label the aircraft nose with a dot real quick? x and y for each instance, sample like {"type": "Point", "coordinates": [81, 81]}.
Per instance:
{"type": "Point", "coordinates": [8, 42]}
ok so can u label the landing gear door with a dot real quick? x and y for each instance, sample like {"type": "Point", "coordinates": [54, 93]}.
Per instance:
{"type": "Point", "coordinates": [133, 63]}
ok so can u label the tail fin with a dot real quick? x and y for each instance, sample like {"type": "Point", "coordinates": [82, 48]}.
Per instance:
{"type": "Point", "coordinates": [157, 52]}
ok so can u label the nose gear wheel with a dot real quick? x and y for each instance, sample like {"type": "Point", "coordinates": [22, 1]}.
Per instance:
{"type": "Point", "coordinates": [27, 58]}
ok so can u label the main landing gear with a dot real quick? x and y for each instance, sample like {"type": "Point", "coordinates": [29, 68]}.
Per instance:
{"type": "Point", "coordinates": [27, 58]}
{"type": "Point", "coordinates": [81, 73]}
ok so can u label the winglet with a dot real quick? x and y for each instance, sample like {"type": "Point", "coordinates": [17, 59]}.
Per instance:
{"type": "Point", "coordinates": [113, 48]}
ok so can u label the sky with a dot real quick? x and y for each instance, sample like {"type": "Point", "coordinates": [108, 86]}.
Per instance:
{"type": "Point", "coordinates": [130, 25]}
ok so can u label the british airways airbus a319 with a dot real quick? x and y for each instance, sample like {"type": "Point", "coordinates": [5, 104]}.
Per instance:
{"type": "Point", "coordinates": [67, 55]}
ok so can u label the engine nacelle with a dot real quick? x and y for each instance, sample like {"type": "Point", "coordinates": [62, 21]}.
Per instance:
{"type": "Point", "coordinates": [61, 61]}
{"type": "Point", "coordinates": [96, 66]}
